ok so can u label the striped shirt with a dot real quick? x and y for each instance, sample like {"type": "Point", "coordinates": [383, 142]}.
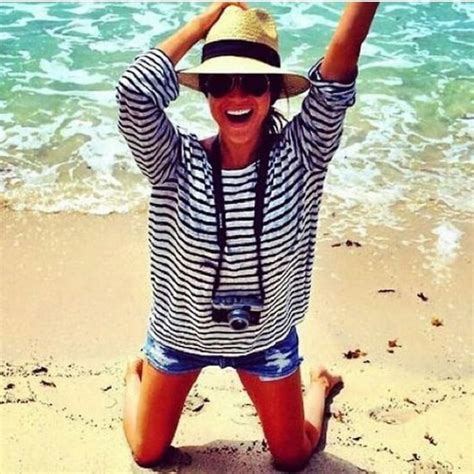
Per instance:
{"type": "Point", "coordinates": [182, 219]}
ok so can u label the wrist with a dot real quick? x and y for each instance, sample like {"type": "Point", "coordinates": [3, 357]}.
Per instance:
{"type": "Point", "coordinates": [198, 27]}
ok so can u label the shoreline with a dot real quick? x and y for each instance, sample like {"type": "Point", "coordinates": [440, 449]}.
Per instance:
{"type": "Point", "coordinates": [74, 303]}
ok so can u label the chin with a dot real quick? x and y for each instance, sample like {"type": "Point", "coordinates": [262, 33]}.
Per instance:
{"type": "Point", "coordinates": [241, 133]}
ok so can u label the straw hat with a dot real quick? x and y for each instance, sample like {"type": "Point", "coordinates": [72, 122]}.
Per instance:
{"type": "Point", "coordinates": [243, 42]}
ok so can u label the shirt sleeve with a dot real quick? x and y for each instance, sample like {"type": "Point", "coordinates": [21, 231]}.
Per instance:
{"type": "Point", "coordinates": [143, 92]}
{"type": "Point", "coordinates": [315, 133]}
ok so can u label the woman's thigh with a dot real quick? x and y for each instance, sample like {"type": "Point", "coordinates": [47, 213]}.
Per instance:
{"type": "Point", "coordinates": [161, 402]}
{"type": "Point", "coordinates": [279, 405]}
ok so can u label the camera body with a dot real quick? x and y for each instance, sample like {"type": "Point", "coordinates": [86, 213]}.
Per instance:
{"type": "Point", "coordinates": [239, 311]}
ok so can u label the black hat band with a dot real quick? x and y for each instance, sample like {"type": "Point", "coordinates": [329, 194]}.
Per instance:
{"type": "Point", "coordinates": [242, 48]}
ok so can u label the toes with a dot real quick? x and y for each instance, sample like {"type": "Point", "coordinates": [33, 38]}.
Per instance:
{"type": "Point", "coordinates": [322, 375]}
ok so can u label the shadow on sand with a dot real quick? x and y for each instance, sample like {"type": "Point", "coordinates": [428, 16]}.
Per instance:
{"type": "Point", "coordinates": [250, 457]}
{"type": "Point", "coordinates": [223, 456]}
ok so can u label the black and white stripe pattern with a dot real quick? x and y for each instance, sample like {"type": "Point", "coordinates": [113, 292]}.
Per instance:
{"type": "Point", "coordinates": [182, 220]}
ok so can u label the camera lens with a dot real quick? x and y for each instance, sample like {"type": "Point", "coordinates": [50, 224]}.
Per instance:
{"type": "Point", "coordinates": [239, 319]}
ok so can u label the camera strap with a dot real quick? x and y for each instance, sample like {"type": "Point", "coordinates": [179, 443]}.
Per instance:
{"type": "Point", "coordinates": [262, 171]}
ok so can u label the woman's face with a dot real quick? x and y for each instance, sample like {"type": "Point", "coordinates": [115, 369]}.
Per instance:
{"type": "Point", "coordinates": [240, 115]}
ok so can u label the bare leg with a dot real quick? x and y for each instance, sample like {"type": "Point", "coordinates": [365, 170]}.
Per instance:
{"type": "Point", "coordinates": [321, 384]}
{"type": "Point", "coordinates": [133, 379]}
{"type": "Point", "coordinates": [292, 432]}
{"type": "Point", "coordinates": [153, 404]}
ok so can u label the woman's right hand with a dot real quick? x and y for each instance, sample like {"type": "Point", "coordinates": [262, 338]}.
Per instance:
{"type": "Point", "coordinates": [179, 43]}
{"type": "Point", "coordinates": [212, 14]}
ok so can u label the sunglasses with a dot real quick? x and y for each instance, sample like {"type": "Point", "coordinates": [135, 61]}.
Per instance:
{"type": "Point", "coordinates": [218, 85]}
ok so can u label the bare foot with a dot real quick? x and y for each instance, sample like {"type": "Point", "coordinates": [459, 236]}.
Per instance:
{"type": "Point", "coordinates": [321, 375]}
{"type": "Point", "coordinates": [134, 367]}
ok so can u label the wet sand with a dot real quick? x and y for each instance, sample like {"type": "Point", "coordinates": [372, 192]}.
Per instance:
{"type": "Point", "coordinates": [396, 323]}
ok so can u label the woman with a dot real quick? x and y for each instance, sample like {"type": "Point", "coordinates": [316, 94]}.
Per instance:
{"type": "Point", "coordinates": [233, 220]}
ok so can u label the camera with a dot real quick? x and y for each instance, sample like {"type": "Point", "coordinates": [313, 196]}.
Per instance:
{"type": "Point", "coordinates": [238, 311]}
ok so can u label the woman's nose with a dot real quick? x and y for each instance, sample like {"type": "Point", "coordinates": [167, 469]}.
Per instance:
{"type": "Point", "coordinates": [236, 90]}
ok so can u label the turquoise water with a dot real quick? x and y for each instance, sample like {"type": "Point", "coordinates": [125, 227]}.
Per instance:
{"type": "Point", "coordinates": [407, 148]}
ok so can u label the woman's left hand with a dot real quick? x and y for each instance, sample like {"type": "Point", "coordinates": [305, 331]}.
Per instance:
{"type": "Point", "coordinates": [340, 61]}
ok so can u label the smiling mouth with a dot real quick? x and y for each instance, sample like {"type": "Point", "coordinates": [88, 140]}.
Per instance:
{"type": "Point", "coordinates": [239, 116]}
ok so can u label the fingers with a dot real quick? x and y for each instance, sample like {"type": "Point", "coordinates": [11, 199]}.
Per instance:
{"type": "Point", "coordinates": [242, 5]}
{"type": "Point", "coordinates": [214, 11]}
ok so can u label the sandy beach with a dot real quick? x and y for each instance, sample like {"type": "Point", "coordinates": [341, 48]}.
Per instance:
{"type": "Point", "coordinates": [388, 316]}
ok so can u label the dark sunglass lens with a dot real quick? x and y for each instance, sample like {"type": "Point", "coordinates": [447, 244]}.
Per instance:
{"type": "Point", "coordinates": [218, 85]}
{"type": "Point", "coordinates": [255, 84]}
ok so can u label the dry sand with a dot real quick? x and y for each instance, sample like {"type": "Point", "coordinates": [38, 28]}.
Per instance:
{"type": "Point", "coordinates": [74, 302]}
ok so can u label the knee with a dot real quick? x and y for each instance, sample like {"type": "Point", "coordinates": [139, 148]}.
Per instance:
{"type": "Point", "coordinates": [290, 456]}
{"type": "Point", "coordinates": [146, 451]}
{"type": "Point", "coordinates": [290, 463]}
{"type": "Point", "coordinates": [145, 456]}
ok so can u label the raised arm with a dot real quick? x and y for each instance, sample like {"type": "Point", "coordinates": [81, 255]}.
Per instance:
{"type": "Point", "coordinates": [340, 61]}
{"type": "Point", "coordinates": [316, 131]}
{"type": "Point", "coordinates": [143, 92]}
{"type": "Point", "coordinates": [146, 89]}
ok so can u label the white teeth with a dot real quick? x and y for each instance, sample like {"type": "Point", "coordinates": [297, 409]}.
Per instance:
{"type": "Point", "coordinates": [238, 112]}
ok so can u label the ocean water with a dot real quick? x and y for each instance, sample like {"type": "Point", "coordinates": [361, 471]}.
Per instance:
{"type": "Point", "coordinates": [408, 142]}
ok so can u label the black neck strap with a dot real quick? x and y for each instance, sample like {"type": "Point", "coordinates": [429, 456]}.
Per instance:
{"type": "Point", "coordinates": [216, 162]}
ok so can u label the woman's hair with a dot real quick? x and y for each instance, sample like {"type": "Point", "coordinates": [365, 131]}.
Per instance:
{"type": "Point", "coordinates": [275, 120]}
{"type": "Point", "coordinates": [274, 123]}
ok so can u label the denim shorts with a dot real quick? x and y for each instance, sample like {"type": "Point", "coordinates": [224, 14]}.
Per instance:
{"type": "Point", "coordinates": [277, 362]}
